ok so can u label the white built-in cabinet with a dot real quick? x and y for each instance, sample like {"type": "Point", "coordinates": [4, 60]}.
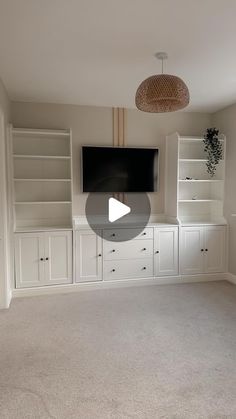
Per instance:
{"type": "Point", "coordinates": [166, 251]}
{"type": "Point", "coordinates": [43, 258]}
{"type": "Point", "coordinates": [130, 258]}
{"type": "Point", "coordinates": [193, 241]}
{"type": "Point", "coordinates": [42, 206]}
{"type": "Point", "coordinates": [202, 249]}
{"type": "Point", "coordinates": [88, 256]}
{"type": "Point", "coordinates": [153, 252]}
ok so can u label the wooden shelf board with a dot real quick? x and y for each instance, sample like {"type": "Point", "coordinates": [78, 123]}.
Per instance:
{"type": "Point", "coordinates": [41, 180]}
{"type": "Point", "coordinates": [194, 140]}
{"type": "Point", "coordinates": [42, 228]}
{"type": "Point", "coordinates": [192, 160]}
{"type": "Point", "coordinates": [25, 131]}
{"type": "Point", "coordinates": [40, 202]}
{"type": "Point", "coordinates": [30, 156]}
{"type": "Point", "coordinates": [200, 180]}
{"type": "Point", "coordinates": [202, 222]}
{"type": "Point", "coordinates": [198, 200]}
{"type": "Point", "coordinates": [196, 160]}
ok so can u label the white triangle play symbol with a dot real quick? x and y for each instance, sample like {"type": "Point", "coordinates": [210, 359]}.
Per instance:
{"type": "Point", "coordinates": [117, 210]}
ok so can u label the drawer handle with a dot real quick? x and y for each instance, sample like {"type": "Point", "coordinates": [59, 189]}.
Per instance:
{"type": "Point", "coordinates": [113, 270]}
{"type": "Point", "coordinates": [157, 251]}
{"type": "Point", "coordinates": [144, 248]}
{"type": "Point", "coordinates": [144, 268]}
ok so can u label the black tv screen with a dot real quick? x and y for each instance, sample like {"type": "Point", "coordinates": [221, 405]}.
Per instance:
{"type": "Point", "coordinates": [117, 169]}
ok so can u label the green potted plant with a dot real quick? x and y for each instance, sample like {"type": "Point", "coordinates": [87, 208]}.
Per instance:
{"type": "Point", "coordinates": [213, 148]}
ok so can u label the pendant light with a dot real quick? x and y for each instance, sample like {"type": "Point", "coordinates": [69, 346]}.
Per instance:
{"type": "Point", "coordinates": [162, 92]}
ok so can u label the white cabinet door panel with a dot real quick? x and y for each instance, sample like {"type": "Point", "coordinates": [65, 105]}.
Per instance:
{"type": "Point", "coordinates": [166, 252]}
{"type": "Point", "coordinates": [192, 250]}
{"type": "Point", "coordinates": [29, 260]}
{"type": "Point", "coordinates": [58, 257]}
{"type": "Point", "coordinates": [215, 249]}
{"type": "Point", "coordinates": [88, 256]}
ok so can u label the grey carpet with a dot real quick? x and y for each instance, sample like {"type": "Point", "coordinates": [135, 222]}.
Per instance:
{"type": "Point", "coordinates": [145, 352]}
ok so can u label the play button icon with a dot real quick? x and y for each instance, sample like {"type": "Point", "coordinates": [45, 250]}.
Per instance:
{"type": "Point", "coordinates": [117, 210]}
{"type": "Point", "coordinates": [112, 211]}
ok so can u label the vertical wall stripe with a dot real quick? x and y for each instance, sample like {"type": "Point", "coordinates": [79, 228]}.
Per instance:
{"type": "Point", "coordinates": [115, 126]}
{"type": "Point", "coordinates": [119, 122]}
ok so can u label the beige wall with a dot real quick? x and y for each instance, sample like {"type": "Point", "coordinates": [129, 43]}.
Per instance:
{"type": "Point", "coordinates": [93, 125]}
{"type": "Point", "coordinates": [225, 120]}
{"type": "Point", "coordinates": [90, 125]}
{"type": "Point", "coordinates": [145, 129]}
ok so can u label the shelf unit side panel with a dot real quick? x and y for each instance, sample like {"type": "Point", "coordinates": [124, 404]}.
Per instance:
{"type": "Point", "coordinates": [171, 184]}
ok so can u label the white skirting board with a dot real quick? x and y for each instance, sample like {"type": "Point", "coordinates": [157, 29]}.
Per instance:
{"type": "Point", "coordinates": [7, 301]}
{"type": "Point", "coordinates": [68, 288]}
{"type": "Point", "coordinates": [231, 278]}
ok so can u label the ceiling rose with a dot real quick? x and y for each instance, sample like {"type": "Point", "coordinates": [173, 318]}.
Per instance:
{"type": "Point", "coordinates": [162, 92]}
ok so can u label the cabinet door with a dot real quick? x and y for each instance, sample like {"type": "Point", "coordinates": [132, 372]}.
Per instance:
{"type": "Point", "coordinates": [58, 257]}
{"type": "Point", "coordinates": [29, 259]}
{"type": "Point", "coordinates": [192, 250]}
{"type": "Point", "coordinates": [166, 251]}
{"type": "Point", "coordinates": [215, 249]}
{"type": "Point", "coordinates": [88, 256]}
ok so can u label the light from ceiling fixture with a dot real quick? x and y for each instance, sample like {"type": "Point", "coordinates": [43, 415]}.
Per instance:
{"type": "Point", "coordinates": [162, 92]}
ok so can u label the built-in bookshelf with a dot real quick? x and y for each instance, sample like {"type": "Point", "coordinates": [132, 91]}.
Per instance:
{"type": "Point", "coordinates": [193, 196]}
{"type": "Point", "coordinates": [42, 178]}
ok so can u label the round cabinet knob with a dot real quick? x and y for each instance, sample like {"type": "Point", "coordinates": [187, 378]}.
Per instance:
{"type": "Point", "coordinates": [144, 248]}
{"type": "Point", "coordinates": [157, 251]}
{"type": "Point", "coordinates": [113, 270]}
{"type": "Point", "coordinates": [47, 258]}
{"type": "Point", "coordinates": [206, 250]}
{"type": "Point", "coordinates": [202, 250]}
{"type": "Point", "coordinates": [113, 250]}
{"type": "Point", "coordinates": [144, 268]}
{"type": "Point", "coordinates": [41, 259]}
{"type": "Point", "coordinates": [99, 255]}
{"type": "Point", "coordinates": [113, 235]}
{"type": "Point", "coordinates": [144, 234]}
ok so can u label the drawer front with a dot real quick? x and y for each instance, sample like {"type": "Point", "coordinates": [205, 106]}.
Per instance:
{"type": "Point", "coordinates": [122, 269]}
{"type": "Point", "coordinates": [120, 234]}
{"type": "Point", "coordinates": [133, 249]}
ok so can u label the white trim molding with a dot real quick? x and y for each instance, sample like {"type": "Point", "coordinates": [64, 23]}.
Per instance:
{"type": "Point", "coordinates": [231, 278]}
{"type": "Point", "coordinates": [91, 286]}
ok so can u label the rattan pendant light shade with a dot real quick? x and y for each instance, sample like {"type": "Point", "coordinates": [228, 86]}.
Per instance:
{"type": "Point", "coordinates": [162, 93]}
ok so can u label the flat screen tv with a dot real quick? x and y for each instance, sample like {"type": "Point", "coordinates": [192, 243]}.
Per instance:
{"type": "Point", "coordinates": [117, 169]}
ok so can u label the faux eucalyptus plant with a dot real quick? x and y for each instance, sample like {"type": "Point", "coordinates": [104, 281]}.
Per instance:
{"type": "Point", "coordinates": [213, 149]}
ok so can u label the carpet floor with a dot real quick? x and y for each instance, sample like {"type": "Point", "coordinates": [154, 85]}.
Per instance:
{"type": "Point", "coordinates": [144, 352]}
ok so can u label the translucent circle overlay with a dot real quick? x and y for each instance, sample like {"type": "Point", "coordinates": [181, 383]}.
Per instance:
{"type": "Point", "coordinates": [97, 214]}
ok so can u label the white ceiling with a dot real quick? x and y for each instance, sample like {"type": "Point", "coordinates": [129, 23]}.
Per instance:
{"type": "Point", "coordinates": [96, 52]}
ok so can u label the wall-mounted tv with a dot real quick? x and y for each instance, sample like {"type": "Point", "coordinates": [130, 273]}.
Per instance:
{"type": "Point", "coordinates": [119, 169]}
